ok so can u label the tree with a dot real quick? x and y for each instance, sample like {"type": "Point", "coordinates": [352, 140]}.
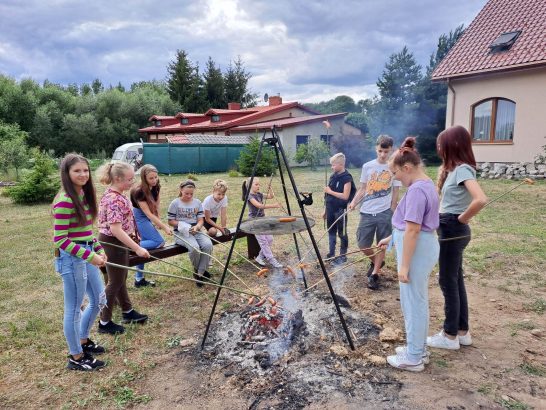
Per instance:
{"type": "Point", "coordinates": [342, 103]}
{"type": "Point", "coordinates": [432, 100]}
{"type": "Point", "coordinates": [393, 112]}
{"type": "Point", "coordinates": [13, 147]}
{"type": "Point", "coordinates": [314, 152]}
{"type": "Point", "coordinates": [183, 80]}
{"type": "Point", "coordinates": [236, 85]}
{"type": "Point", "coordinates": [39, 185]}
{"type": "Point", "coordinates": [97, 86]}
{"type": "Point", "coordinates": [247, 158]}
{"type": "Point", "coordinates": [214, 85]}
{"type": "Point", "coordinates": [358, 120]}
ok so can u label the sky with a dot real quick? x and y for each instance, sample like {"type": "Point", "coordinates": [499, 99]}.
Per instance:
{"type": "Point", "coordinates": [307, 51]}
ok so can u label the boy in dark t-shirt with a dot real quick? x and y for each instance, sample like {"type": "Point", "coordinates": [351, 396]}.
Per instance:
{"type": "Point", "coordinates": [337, 196]}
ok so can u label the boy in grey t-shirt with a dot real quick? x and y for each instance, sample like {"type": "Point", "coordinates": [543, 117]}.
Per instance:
{"type": "Point", "coordinates": [379, 194]}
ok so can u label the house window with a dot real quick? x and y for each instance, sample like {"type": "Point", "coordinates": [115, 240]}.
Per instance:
{"type": "Point", "coordinates": [493, 120]}
{"type": "Point", "coordinates": [158, 123]}
{"type": "Point", "coordinates": [184, 121]}
{"type": "Point", "coordinates": [327, 139]}
{"type": "Point", "coordinates": [301, 139]}
{"type": "Point", "coordinates": [215, 118]}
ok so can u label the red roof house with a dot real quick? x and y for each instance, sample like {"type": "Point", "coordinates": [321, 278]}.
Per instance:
{"type": "Point", "coordinates": [496, 76]}
{"type": "Point", "coordinates": [295, 123]}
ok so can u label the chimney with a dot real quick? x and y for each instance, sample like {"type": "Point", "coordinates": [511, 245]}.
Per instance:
{"type": "Point", "coordinates": [275, 100]}
{"type": "Point", "coordinates": [234, 106]}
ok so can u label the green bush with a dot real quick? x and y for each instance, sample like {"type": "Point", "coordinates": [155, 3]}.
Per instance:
{"type": "Point", "coordinates": [39, 185]}
{"type": "Point", "coordinates": [193, 177]}
{"type": "Point", "coordinates": [233, 173]}
{"type": "Point", "coordinates": [247, 158]}
{"type": "Point", "coordinates": [314, 152]}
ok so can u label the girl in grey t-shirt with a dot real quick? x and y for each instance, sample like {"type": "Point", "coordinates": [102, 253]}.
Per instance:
{"type": "Point", "coordinates": [462, 198]}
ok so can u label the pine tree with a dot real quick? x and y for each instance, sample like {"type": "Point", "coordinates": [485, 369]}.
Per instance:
{"type": "Point", "coordinates": [236, 85]}
{"type": "Point", "coordinates": [214, 85]}
{"type": "Point", "coordinates": [180, 79]}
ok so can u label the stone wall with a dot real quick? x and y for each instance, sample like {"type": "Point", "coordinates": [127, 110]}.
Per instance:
{"type": "Point", "coordinates": [515, 170]}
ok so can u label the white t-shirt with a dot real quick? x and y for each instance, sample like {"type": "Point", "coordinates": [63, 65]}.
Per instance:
{"type": "Point", "coordinates": [210, 204]}
{"type": "Point", "coordinates": [379, 182]}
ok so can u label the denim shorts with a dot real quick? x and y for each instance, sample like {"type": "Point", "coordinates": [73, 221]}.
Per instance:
{"type": "Point", "coordinates": [373, 225]}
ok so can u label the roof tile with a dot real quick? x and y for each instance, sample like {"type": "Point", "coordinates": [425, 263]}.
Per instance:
{"type": "Point", "coordinates": [471, 53]}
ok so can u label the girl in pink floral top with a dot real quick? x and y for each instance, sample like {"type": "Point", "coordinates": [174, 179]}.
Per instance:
{"type": "Point", "coordinates": [116, 226]}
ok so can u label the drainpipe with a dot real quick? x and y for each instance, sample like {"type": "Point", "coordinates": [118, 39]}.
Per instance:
{"type": "Point", "coordinates": [453, 101]}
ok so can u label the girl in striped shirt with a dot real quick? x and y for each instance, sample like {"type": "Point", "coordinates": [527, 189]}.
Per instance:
{"type": "Point", "coordinates": [78, 256]}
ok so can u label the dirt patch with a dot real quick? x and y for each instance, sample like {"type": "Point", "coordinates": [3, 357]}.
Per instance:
{"type": "Point", "coordinates": [320, 371]}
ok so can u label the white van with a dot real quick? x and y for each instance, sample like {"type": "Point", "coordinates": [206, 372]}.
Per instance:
{"type": "Point", "coordinates": [130, 153]}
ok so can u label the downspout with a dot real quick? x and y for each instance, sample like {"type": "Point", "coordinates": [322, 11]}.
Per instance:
{"type": "Point", "coordinates": [453, 102]}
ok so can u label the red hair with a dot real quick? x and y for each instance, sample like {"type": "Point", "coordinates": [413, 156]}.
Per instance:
{"type": "Point", "coordinates": [454, 146]}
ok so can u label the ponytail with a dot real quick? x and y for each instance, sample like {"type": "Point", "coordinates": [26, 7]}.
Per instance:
{"type": "Point", "coordinates": [108, 172]}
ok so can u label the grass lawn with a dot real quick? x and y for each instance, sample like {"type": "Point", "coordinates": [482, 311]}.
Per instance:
{"type": "Point", "coordinates": [508, 251]}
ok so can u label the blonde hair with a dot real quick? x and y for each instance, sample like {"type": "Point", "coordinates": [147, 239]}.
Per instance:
{"type": "Point", "coordinates": [219, 185]}
{"type": "Point", "coordinates": [339, 158]}
{"type": "Point", "coordinates": [108, 172]}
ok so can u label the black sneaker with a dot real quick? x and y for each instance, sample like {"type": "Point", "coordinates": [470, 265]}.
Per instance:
{"type": "Point", "coordinates": [85, 363]}
{"type": "Point", "coordinates": [341, 259]}
{"type": "Point", "coordinates": [370, 269]}
{"type": "Point", "coordinates": [134, 317]}
{"type": "Point", "coordinates": [92, 347]}
{"type": "Point", "coordinates": [143, 282]}
{"type": "Point", "coordinates": [200, 279]}
{"type": "Point", "coordinates": [373, 282]}
{"type": "Point", "coordinates": [207, 276]}
{"type": "Point", "coordinates": [111, 328]}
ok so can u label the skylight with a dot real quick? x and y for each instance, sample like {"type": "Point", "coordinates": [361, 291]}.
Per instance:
{"type": "Point", "coordinates": [504, 41]}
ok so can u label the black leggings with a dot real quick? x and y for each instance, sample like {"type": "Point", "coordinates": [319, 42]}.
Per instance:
{"type": "Point", "coordinates": [451, 273]}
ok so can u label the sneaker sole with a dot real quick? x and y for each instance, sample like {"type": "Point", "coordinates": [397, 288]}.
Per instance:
{"type": "Point", "coordinates": [71, 366]}
{"type": "Point", "coordinates": [416, 368]}
{"type": "Point", "coordinates": [444, 347]}
{"type": "Point", "coordinates": [108, 332]}
{"type": "Point", "coordinates": [128, 321]}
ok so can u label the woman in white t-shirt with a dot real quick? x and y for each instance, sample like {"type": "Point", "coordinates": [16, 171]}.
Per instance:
{"type": "Point", "coordinates": [215, 205]}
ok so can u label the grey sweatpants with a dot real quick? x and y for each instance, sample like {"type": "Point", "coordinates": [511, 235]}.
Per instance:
{"type": "Point", "coordinates": [195, 244]}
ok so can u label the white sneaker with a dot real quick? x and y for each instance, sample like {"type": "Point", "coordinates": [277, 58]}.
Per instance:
{"type": "Point", "coordinates": [402, 362]}
{"type": "Point", "coordinates": [402, 350]}
{"type": "Point", "coordinates": [441, 341]}
{"type": "Point", "coordinates": [465, 340]}
{"type": "Point", "coordinates": [260, 260]}
{"type": "Point", "coordinates": [275, 263]}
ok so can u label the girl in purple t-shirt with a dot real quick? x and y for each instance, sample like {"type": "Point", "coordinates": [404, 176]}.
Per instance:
{"type": "Point", "coordinates": [414, 222]}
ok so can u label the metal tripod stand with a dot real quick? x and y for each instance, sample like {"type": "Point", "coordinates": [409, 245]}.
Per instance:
{"type": "Point", "coordinates": [274, 141]}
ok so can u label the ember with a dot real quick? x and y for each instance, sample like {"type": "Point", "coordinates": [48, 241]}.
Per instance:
{"type": "Point", "coordinates": [263, 321]}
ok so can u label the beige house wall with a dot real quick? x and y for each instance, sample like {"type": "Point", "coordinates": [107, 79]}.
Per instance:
{"type": "Point", "coordinates": [527, 88]}
{"type": "Point", "coordinates": [314, 130]}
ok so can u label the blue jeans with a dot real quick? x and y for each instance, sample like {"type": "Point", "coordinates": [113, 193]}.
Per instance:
{"type": "Point", "coordinates": [414, 295]}
{"type": "Point", "coordinates": [150, 238]}
{"type": "Point", "coordinates": [79, 278]}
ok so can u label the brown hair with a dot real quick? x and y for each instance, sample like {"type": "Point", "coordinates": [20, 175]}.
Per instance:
{"type": "Point", "coordinates": [145, 188]}
{"type": "Point", "coordinates": [88, 189]}
{"type": "Point", "coordinates": [384, 141]}
{"type": "Point", "coordinates": [406, 154]}
{"type": "Point", "coordinates": [454, 146]}
{"type": "Point", "coordinates": [108, 172]}
{"type": "Point", "coordinates": [186, 183]}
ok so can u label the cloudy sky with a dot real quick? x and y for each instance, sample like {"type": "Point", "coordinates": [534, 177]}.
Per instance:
{"type": "Point", "coordinates": [305, 50]}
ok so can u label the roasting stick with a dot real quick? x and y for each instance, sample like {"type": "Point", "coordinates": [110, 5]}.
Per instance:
{"type": "Point", "coordinates": [527, 181]}
{"type": "Point", "coordinates": [234, 251]}
{"type": "Point", "coordinates": [351, 252]}
{"type": "Point", "coordinates": [250, 293]}
{"type": "Point", "coordinates": [216, 259]}
{"type": "Point", "coordinates": [340, 269]}
{"type": "Point", "coordinates": [151, 256]}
